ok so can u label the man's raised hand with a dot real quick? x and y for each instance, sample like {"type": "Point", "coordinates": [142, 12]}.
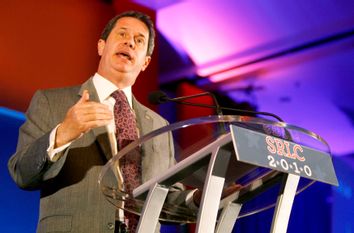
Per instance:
{"type": "Point", "coordinates": [82, 117]}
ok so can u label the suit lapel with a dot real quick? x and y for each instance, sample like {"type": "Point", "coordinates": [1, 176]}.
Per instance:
{"type": "Point", "coordinates": [100, 133]}
{"type": "Point", "coordinates": [144, 120]}
{"type": "Point", "coordinates": [145, 125]}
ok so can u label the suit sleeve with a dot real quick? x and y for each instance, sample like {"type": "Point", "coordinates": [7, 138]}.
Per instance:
{"type": "Point", "coordinates": [30, 165]}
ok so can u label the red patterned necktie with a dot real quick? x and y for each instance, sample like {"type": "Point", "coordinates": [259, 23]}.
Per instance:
{"type": "Point", "coordinates": [126, 132]}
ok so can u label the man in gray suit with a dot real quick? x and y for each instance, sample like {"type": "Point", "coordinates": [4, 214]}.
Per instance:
{"type": "Point", "coordinates": [67, 137]}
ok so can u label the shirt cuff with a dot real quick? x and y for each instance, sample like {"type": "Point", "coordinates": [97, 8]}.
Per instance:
{"type": "Point", "coordinates": [55, 153]}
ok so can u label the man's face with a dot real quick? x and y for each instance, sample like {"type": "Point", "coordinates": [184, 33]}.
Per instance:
{"type": "Point", "coordinates": [123, 54]}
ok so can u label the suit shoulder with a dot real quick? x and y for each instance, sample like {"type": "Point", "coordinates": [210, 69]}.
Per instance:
{"type": "Point", "coordinates": [54, 99]}
{"type": "Point", "coordinates": [60, 91]}
{"type": "Point", "coordinates": [59, 94]}
{"type": "Point", "coordinates": [154, 115]}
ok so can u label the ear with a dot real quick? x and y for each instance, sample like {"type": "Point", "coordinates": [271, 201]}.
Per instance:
{"type": "Point", "coordinates": [100, 46]}
{"type": "Point", "coordinates": [146, 63]}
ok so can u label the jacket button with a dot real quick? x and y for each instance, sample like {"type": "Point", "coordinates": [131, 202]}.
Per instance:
{"type": "Point", "coordinates": [110, 226]}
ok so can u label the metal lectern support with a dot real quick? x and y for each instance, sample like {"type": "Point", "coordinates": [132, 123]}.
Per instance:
{"type": "Point", "coordinates": [152, 208]}
{"type": "Point", "coordinates": [228, 218]}
{"type": "Point", "coordinates": [227, 159]}
{"type": "Point", "coordinates": [212, 190]}
{"type": "Point", "coordinates": [284, 203]}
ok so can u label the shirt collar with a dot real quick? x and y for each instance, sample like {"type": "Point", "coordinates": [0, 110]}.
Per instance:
{"type": "Point", "coordinates": [105, 88]}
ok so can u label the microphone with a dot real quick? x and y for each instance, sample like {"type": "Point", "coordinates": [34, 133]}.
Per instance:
{"type": "Point", "coordinates": [159, 97]}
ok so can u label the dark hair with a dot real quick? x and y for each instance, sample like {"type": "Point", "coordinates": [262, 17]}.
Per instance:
{"type": "Point", "coordinates": [138, 15]}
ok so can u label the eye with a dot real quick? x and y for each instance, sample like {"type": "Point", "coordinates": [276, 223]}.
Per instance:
{"type": "Point", "coordinates": [140, 41]}
{"type": "Point", "coordinates": [121, 34]}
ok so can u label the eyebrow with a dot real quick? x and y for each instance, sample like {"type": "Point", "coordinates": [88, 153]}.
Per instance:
{"type": "Point", "coordinates": [140, 34]}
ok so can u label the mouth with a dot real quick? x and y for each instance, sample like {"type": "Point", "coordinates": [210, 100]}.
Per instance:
{"type": "Point", "coordinates": [125, 55]}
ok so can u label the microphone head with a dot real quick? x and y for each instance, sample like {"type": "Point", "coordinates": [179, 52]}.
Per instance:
{"type": "Point", "coordinates": [157, 97]}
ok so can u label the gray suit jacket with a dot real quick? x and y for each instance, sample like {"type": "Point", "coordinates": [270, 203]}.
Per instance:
{"type": "Point", "coordinates": [70, 198]}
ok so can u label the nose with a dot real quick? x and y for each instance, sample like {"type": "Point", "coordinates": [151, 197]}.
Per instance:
{"type": "Point", "coordinates": [129, 41]}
